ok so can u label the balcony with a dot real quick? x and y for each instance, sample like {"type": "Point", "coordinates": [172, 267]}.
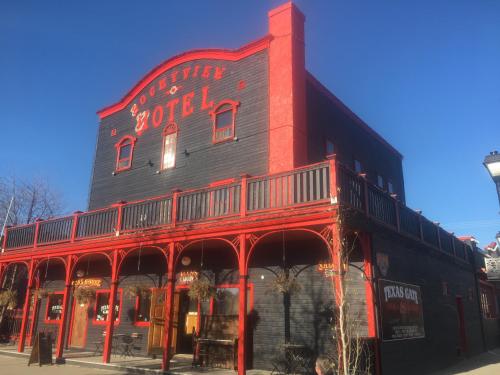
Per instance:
{"type": "Point", "coordinates": [316, 186]}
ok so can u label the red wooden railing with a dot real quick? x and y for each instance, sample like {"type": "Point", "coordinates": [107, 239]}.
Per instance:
{"type": "Point", "coordinates": [323, 183]}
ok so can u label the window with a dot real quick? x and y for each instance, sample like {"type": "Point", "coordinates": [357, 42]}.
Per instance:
{"type": "Point", "coordinates": [329, 147]}
{"type": "Point", "coordinates": [357, 166]}
{"type": "Point", "coordinates": [487, 301]}
{"type": "Point", "coordinates": [223, 117]}
{"type": "Point", "coordinates": [102, 306]}
{"type": "Point", "coordinates": [142, 307]}
{"type": "Point", "coordinates": [169, 146]}
{"type": "Point", "coordinates": [124, 152]}
{"type": "Point", "coordinates": [390, 187]}
{"type": "Point", "coordinates": [54, 307]}
{"type": "Point", "coordinates": [380, 181]}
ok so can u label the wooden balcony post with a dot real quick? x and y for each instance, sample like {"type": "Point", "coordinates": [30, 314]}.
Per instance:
{"type": "Point", "coordinates": [334, 191]}
{"type": "Point", "coordinates": [165, 365]}
{"type": "Point", "coordinates": [438, 232]}
{"type": "Point", "coordinates": [37, 230]}
{"type": "Point", "coordinates": [65, 311]}
{"type": "Point", "coordinates": [243, 195]}
{"type": "Point", "coordinates": [119, 217]}
{"type": "Point", "coordinates": [420, 225]}
{"type": "Point", "coordinates": [175, 205]}
{"type": "Point", "coordinates": [110, 324]}
{"type": "Point", "coordinates": [74, 227]}
{"type": "Point", "coordinates": [242, 316]}
{"type": "Point", "coordinates": [26, 309]}
{"type": "Point", "coordinates": [452, 245]}
{"type": "Point", "coordinates": [4, 243]}
{"type": "Point", "coordinates": [396, 210]}
{"type": "Point", "coordinates": [365, 194]}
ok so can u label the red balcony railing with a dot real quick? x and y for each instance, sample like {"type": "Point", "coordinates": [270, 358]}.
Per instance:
{"type": "Point", "coordinates": [310, 185]}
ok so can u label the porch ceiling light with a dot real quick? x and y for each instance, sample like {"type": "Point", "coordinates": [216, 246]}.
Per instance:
{"type": "Point", "coordinates": [80, 273]}
{"type": "Point", "coordinates": [186, 261]}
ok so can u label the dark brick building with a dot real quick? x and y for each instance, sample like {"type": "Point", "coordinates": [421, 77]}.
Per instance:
{"type": "Point", "coordinates": [232, 167]}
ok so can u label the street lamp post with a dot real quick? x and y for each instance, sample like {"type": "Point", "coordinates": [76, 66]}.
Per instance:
{"type": "Point", "coordinates": [492, 164]}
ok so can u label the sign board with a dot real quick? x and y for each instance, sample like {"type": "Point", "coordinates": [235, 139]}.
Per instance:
{"type": "Point", "coordinates": [187, 277]}
{"type": "Point", "coordinates": [41, 352]}
{"type": "Point", "coordinates": [401, 310]}
{"type": "Point", "coordinates": [492, 268]}
{"type": "Point", "coordinates": [87, 283]}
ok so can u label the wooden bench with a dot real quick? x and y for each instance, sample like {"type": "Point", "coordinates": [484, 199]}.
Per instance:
{"type": "Point", "coordinates": [216, 344]}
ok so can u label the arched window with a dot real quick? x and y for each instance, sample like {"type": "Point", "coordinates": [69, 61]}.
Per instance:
{"type": "Point", "coordinates": [169, 146]}
{"type": "Point", "coordinates": [124, 152]}
{"type": "Point", "coordinates": [223, 118]}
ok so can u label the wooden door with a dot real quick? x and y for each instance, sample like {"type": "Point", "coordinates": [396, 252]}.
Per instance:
{"type": "Point", "coordinates": [175, 322]}
{"type": "Point", "coordinates": [157, 322]}
{"type": "Point", "coordinates": [79, 326]}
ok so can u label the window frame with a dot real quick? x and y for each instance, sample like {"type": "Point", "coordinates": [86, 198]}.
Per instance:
{"type": "Point", "coordinates": [169, 129]}
{"type": "Point", "coordinates": [124, 141]}
{"type": "Point", "coordinates": [250, 296]}
{"type": "Point", "coordinates": [219, 109]}
{"type": "Point", "coordinates": [50, 321]}
{"type": "Point", "coordinates": [380, 181]}
{"type": "Point", "coordinates": [355, 163]}
{"type": "Point", "coordinates": [328, 142]}
{"type": "Point", "coordinates": [104, 322]}
{"type": "Point", "coordinates": [136, 311]}
{"type": "Point", "coordinates": [390, 187]}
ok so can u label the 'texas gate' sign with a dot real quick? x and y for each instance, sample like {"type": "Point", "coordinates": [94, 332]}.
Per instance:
{"type": "Point", "coordinates": [401, 310]}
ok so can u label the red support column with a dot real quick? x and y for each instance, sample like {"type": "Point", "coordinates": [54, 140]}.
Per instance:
{"type": "Point", "coordinates": [110, 324]}
{"type": "Point", "coordinates": [26, 309]}
{"type": "Point", "coordinates": [65, 312]}
{"type": "Point", "coordinates": [168, 307]}
{"type": "Point", "coordinates": [371, 311]}
{"type": "Point", "coordinates": [242, 318]}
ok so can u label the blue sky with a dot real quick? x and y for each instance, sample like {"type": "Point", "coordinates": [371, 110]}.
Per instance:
{"type": "Point", "coordinates": [424, 74]}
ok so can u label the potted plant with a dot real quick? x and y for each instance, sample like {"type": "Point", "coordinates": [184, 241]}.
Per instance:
{"type": "Point", "coordinates": [84, 295]}
{"type": "Point", "coordinates": [283, 283]}
{"type": "Point", "coordinates": [142, 291]}
{"type": "Point", "coordinates": [8, 299]}
{"type": "Point", "coordinates": [201, 289]}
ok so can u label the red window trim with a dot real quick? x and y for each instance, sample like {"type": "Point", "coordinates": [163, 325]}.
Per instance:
{"type": "Point", "coordinates": [170, 128]}
{"type": "Point", "coordinates": [136, 311]}
{"type": "Point", "coordinates": [48, 321]}
{"type": "Point", "coordinates": [118, 146]}
{"type": "Point", "coordinates": [104, 322]}
{"type": "Point", "coordinates": [234, 108]}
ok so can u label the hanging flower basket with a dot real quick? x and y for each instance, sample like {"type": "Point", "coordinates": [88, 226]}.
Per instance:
{"type": "Point", "coordinates": [8, 299]}
{"type": "Point", "coordinates": [42, 293]}
{"type": "Point", "coordinates": [283, 283]}
{"type": "Point", "coordinates": [134, 291]}
{"type": "Point", "coordinates": [201, 289]}
{"type": "Point", "coordinates": [84, 295]}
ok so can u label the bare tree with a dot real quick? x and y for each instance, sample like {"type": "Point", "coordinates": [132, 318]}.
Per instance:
{"type": "Point", "coordinates": [32, 199]}
{"type": "Point", "coordinates": [351, 351]}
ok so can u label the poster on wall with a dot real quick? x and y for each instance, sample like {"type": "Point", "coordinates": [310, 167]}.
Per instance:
{"type": "Point", "coordinates": [401, 311]}
{"type": "Point", "coordinates": [492, 268]}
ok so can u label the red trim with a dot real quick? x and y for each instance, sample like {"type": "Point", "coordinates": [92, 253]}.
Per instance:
{"type": "Point", "coordinates": [48, 321]}
{"type": "Point", "coordinates": [136, 312]}
{"type": "Point", "coordinates": [223, 107]}
{"type": "Point", "coordinates": [227, 181]}
{"type": "Point", "coordinates": [125, 141]}
{"type": "Point", "coordinates": [104, 322]}
{"type": "Point", "coordinates": [287, 89]}
{"type": "Point", "coordinates": [170, 128]}
{"type": "Point", "coordinates": [318, 85]}
{"type": "Point", "coordinates": [218, 54]}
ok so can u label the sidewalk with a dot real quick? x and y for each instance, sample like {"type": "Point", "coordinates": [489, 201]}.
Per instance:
{"type": "Point", "coordinates": [484, 364]}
